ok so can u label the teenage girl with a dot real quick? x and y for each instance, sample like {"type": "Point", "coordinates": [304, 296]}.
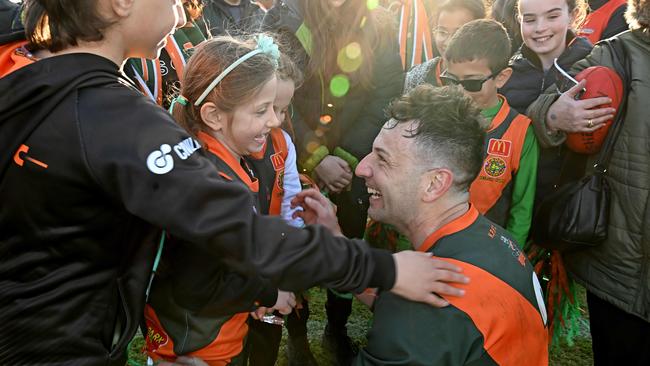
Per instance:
{"type": "Point", "coordinates": [546, 30]}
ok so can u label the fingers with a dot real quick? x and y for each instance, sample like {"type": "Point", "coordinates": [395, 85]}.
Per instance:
{"type": "Point", "coordinates": [594, 102]}
{"type": "Point", "coordinates": [441, 264]}
{"type": "Point", "coordinates": [593, 114]}
{"type": "Point", "coordinates": [299, 199]}
{"type": "Point", "coordinates": [576, 88]}
{"type": "Point", "coordinates": [435, 300]}
{"type": "Point", "coordinates": [441, 288]}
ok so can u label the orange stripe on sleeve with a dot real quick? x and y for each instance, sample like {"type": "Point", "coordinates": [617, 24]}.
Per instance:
{"type": "Point", "coordinates": [513, 329]}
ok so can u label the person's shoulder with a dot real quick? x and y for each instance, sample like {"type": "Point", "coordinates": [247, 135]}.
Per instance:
{"type": "Point", "coordinates": [121, 105]}
{"type": "Point", "coordinates": [577, 49]}
{"type": "Point", "coordinates": [424, 67]}
{"type": "Point", "coordinates": [284, 16]}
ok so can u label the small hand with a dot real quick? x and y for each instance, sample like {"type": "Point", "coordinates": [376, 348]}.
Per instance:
{"type": "Point", "coordinates": [570, 115]}
{"type": "Point", "coordinates": [317, 209]}
{"type": "Point", "coordinates": [285, 303]}
{"type": "Point", "coordinates": [334, 173]}
{"type": "Point", "coordinates": [423, 278]}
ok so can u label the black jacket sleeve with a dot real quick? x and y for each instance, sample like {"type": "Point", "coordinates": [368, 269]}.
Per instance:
{"type": "Point", "coordinates": [144, 161]}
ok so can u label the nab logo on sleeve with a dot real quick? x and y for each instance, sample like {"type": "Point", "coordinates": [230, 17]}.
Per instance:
{"type": "Point", "coordinates": [161, 161]}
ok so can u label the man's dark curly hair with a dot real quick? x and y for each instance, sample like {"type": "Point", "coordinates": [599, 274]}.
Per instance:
{"type": "Point", "coordinates": [449, 130]}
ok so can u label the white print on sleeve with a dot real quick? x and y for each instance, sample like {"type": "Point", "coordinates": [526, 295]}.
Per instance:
{"type": "Point", "coordinates": [161, 161]}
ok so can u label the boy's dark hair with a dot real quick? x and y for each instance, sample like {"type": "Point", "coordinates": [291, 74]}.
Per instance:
{"type": "Point", "coordinates": [476, 7]}
{"type": "Point", "coordinates": [449, 131]}
{"type": "Point", "coordinates": [480, 39]}
{"type": "Point", "coordinates": [58, 24]}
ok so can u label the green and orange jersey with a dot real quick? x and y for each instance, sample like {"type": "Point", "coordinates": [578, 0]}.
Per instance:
{"type": "Point", "coordinates": [504, 190]}
{"type": "Point", "coordinates": [501, 319]}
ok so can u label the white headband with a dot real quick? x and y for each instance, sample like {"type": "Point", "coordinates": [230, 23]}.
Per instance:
{"type": "Point", "coordinates": [265, 45]}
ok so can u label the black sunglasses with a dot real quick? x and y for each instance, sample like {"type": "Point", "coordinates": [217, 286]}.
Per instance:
{"type": "Point", "coordinates": [471, 86]}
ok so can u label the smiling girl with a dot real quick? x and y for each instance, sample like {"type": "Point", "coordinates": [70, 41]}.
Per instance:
{"type": "Point", "coordinates": [547, 35]}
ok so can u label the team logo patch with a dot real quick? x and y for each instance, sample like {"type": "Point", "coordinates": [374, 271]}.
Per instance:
{"type": "Point", "coordinates": [278, 162]}
{"type": "Point", "coordinates": [280, 182]}
{"type": "Point", "coordinates": [494, 167]}
{"type": "Point", "coordinates": [499, 147]}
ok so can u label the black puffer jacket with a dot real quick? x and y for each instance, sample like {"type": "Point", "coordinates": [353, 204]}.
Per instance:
{"type": "Point", "coordinates": [529, 80]}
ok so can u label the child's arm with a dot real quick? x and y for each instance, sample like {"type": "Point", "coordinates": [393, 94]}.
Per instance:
{"type": "Point", "coordinates": [291, 185]}
{"type": "Point", "coordinates": [523, 193]}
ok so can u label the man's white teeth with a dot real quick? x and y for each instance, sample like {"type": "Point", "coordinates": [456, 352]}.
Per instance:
{"type": "Point", "coordinates": [543, 39]}
{"type": "Point", "coordinates": [373, 192]}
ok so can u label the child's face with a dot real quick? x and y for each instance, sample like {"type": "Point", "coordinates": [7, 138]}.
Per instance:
{"type": "Point", "coordinates": [544, 25]}
{"type": "Point", "coordinates": [479, 69]}
{"type": "Point", "coordinates": [283, 99]}
{"type": "Point", "coordinates": [147, 26]}
{"type": "Point", "coordinates": [448, 23]}
{"type": "Point", "coordinates": [251, 122]}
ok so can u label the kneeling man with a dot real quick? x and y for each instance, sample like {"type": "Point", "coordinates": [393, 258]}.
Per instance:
{"type": "Point", "coordinates": [418, 174]}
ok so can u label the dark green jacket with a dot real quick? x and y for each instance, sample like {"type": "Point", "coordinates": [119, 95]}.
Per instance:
{"type": "Point", "coordinates": [618, 270]}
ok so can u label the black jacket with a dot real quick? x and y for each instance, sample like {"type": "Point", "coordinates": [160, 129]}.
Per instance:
{"type": "Point", "coordinates": [90, 171]}
{"type": "Point", "coordinates": [359, 115]}
{"type": "Point", "coordinates": [220, 21]}
{"type": "Point", "coordinates": [528, 81]}
{"type": "Point", "coordinates": [11, 27]}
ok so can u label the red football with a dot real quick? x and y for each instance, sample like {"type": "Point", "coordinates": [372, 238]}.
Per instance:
{"type": "Point", "coordinates": [601, 82]}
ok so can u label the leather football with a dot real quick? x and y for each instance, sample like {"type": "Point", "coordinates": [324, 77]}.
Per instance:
{"type": "Point", "coordinates": [601, 82]}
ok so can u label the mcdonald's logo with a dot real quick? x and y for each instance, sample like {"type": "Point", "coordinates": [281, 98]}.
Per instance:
{"type": "Point", "coordinates": [278, 162]}
{"type": "Point", "coordinates": [499, 147]}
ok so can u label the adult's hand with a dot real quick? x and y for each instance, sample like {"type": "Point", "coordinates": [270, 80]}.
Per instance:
{"type": "Point", "coordinates": [316, 209]}
{"type": "Point", "coordinates": [424, 279]}
{"type": "Point", "coordinates": [570, 115]}
{"type": "Point", "coordinates": [334, 173]}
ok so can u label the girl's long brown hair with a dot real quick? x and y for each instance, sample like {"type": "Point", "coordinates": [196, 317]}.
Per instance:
{"type": "Point", "coordinates": [333, 29]}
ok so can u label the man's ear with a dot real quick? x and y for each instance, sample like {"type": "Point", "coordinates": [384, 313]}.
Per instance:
{"type": "Point", "coordinates": [212, 116]}
{"type": "Point", "coordinates": [502, 78]}
{"type": "Point", "coordinates": [436, 184]}
{"type": "Point", "coordinates": [122, 8]}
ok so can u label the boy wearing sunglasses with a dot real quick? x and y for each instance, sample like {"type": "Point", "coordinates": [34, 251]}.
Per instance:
{"type": "Point", "coordinates": [504, 191]}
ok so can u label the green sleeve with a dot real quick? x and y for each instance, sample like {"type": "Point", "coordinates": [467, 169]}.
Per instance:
{"type": "Point", "coordinates": [523, 193]}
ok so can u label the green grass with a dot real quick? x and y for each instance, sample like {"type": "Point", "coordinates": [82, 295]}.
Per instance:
{"type": "Point", "coordinates": [578, 355]}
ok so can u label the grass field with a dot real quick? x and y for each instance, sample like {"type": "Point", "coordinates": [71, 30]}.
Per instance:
{"type": "Point", "coordinates": [578, 355]}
